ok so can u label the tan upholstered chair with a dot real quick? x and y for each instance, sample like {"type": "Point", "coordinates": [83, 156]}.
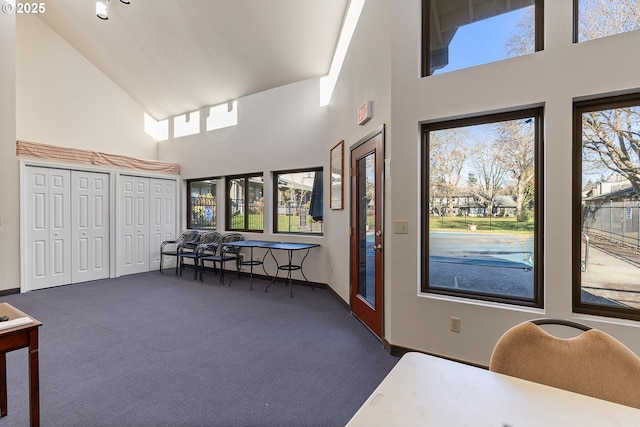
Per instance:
{"type": "Point", "coordinates": [592, 363]}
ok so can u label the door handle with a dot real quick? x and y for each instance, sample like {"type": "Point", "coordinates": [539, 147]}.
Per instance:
{"type": "Point", "coordinates": [378, 247]}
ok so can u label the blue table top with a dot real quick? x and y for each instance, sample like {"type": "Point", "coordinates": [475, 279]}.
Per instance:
{"type": "Point", "coordinates": [249, 243]}
{"type": "Point", "coordinates": [289, 246]}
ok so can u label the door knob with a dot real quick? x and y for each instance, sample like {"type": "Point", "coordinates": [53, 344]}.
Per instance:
{"type": "Point", "coordinates": [378, 247]}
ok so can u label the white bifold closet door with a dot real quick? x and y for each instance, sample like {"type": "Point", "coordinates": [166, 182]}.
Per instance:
{"type": "Point", "coordinates": [163, 218]}
{"type": "Point", "coordinates": [90, 226]}
{"type": "Point", "coordinates": [67, 227]}
{"type": "Point", "coordinates": [147, 218]}
{"type": "Point", "coordinates": [134, 224]}
{"type": "Point", "coordinates": [48, 228]}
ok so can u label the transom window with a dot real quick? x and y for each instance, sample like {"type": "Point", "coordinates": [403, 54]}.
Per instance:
{"type": "Point", "coordinates": [463, 33]}
{"type": "Point", "coordinates": [601, 18]}
{"type": "Point", "coordinates": [202, 204]}
{"type": "Point", "coordinates": [245, 202]}
{"type": "Point", "coordinates": [481, 204]}
{"type": "Point", "coordinates": [298, 196]}
{"type": "Point", "coordinates": [606, 207]}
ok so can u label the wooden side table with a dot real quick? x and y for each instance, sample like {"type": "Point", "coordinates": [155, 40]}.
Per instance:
{"type": "Point", "coordinates": [22, 332]}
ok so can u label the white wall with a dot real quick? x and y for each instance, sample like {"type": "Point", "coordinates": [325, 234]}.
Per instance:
{"type": "Point", "coordinates": [383, 65]}
{"type": "Point", "coordinates": [51, 94]}
{"type": "Point", "coordinates": [9, 194]}
{"type": "Point", "coordinates": [279, 129]}
{"type": "Point", "coordinates": [285, 128]}
{"type": "Point", "coordinates": [63, 99]}
{"type": "Point", "coordinates": [554, 77]}
{"type": "Point", "coordinates": [365, 76]}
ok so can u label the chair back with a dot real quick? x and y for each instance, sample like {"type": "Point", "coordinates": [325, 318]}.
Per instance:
{"type": "Point", "coordinates": [209, 242]}
{"type": "Point", "coordinates": [592, 363]}
{"type": "Point", "coordinates": [189, 236]}
{"type": "Point", "coordinates": [189, 240]}
{"type": "Point", "coordinates": [231, 237]}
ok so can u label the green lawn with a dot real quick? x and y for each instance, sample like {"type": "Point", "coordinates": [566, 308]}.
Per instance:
{"type": "Point", "coordinates": [500, 224]}
{"type": "Point", "coordinates": [286, 223]}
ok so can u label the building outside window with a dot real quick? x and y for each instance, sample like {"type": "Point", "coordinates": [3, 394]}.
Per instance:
{"type": "Point", "coordinates": [201, 204]}
{"type": "Point", "coordinates": [606, 207]}
{"type": "Point", "coordinates": [298, 201]}
{"type": "Point", "coordinates": [245, 202]}
{"type": "Point", "coordinates": [464, 33]}
{"type": "Point", "coordinates": [481, 203]}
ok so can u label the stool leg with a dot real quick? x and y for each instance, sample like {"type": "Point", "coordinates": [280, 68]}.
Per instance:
{"type": "Point", "coordinates": [34, 380]}
{"type": "Point", "coordinates": [3, 385]}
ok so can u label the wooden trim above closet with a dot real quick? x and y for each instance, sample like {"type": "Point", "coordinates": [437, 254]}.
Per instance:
{"type": "Point", "coordinates": [75, 155]}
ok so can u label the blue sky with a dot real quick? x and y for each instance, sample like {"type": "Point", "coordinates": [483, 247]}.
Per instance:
{"type": "Point", "coordinates": [481, 42]}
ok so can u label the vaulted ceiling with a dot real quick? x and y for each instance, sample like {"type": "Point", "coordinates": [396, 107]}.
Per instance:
{"type": "Point", "coordinates": [175, 56]}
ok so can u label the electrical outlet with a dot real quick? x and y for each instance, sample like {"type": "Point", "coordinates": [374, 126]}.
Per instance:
{"type": "Point", "coordinates": [455, 324]}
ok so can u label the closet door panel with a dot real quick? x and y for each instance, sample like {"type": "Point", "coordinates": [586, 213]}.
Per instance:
{"type": "Point", "coordinates": [134, 225]}
{"type": "Point", "coordinates": [60, 227]}
{"type": "Point", "coordinates": [163, 218]}
{"type": "Point", "coordinates": [90, 209]}
{"type": "Point", "coordinates": [37, 265]}
{"type": "Point", "coordinates": [47, 228]}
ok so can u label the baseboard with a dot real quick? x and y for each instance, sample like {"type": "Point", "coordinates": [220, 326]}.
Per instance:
{"type": "Point", "coordinates": [342, 302]}
{"type": "Point", "coordinates": [9, 291]}
{"type": "Point", "coordinates": [399, 351]}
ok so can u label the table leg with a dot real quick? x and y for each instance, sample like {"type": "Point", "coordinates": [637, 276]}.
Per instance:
{"type": "Point", "coordinates": [277, 270]}
{"type": "Point", "coordinates": [251, 269]}
{"type": "Point", "coordinates": [34, 379]}
{"type": "Point", "coordinates": [3, 384]}
{"type": "Point", "coordinates": [289, 275]}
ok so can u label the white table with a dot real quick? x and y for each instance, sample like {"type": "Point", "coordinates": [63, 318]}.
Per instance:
{"type": "Point", "coordinates": [428, 391]}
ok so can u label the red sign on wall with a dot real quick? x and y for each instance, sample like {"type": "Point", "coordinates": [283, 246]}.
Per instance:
{"type": "Point", "coordinates": [364, 113]}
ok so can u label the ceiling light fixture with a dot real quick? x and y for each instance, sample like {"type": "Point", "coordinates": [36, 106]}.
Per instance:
{"type": "Point", "coordinates": [102, 8]}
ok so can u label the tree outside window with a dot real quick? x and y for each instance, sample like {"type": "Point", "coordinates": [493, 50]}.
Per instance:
{"type": "Point", "coordinates": [606, 224]}
{"type": "Point", "coordinates": [481, 202]}
{"type": "Point", "coordinates": [464, 33]}
{"type": "Point", "coordinates": [245, 203]}
{"type": "Point", "coordinates": [602, 18]}
{"type": "Point", "coordinates": [298, 196]}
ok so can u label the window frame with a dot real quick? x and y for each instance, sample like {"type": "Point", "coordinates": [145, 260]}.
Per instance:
{"type": "Point", "coordinates": [538, 270]}
{"type": "Point", "coordinates": [276, 201]}
{"type": "Point", "coordinates": [228, 204]}
{"type": "Point", "coordinates": [580, 107]}
{"type": "Point", "coordinates": [426, 37]}
{"type": "Point", "coordinates": [190, 206]}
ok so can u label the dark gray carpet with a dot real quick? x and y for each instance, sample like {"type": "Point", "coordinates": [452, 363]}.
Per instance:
{"type": "Point", "coordinates": [161, 350]}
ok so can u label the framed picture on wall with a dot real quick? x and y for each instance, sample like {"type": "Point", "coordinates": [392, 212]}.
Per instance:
{"type": "Point", "coordinates": [336, 167]}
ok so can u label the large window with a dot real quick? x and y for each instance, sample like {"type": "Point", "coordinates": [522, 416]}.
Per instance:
{"type": "Point", "coordinates": [601, 18]}
{"type": "Point", "coordinates": [606, 207]}
{"type": "Point", "coordinates": [298, 201]}
{"type": "Point", "coordinates": [245, 203]}
{"type": "Point", "coordinates": [201, 204]}
{"type": "Point", "coordinates": [481, 205]}
{"type": "Point", "coordinates": [464, 33]}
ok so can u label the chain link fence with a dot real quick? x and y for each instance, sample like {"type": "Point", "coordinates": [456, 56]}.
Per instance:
{"type": "Point", "coordinates": [617, 221]}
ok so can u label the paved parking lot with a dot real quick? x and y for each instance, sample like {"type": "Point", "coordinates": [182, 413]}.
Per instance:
{"type": "Point", "coordinates": [608, 263]}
